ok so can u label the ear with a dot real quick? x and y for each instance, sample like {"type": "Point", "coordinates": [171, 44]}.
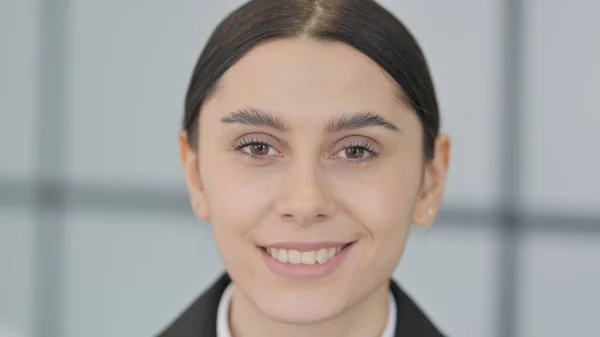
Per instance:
{"type": "Point", "coordinates": [190, 163]}
{"type": "Point", "coordinates": [431, 192]}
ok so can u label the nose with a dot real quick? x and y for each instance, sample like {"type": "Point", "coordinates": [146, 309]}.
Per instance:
{"type": "Point", "coordinates": [305, 196]}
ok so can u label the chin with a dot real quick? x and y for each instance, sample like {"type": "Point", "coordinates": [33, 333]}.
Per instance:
{"type": "Point", "coordinates": [301, 309]}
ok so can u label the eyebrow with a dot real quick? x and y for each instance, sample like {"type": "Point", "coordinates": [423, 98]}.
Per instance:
{"type": "Point", "coordinates": [255, 117]}
{"type": "Point", "coordinates": [358, 120]}
{"type": "Point", "coordinates": [346, 121]}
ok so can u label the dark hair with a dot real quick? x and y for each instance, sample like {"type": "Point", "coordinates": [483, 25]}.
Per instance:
{"type": "Point", "coordinates": [362, 24]}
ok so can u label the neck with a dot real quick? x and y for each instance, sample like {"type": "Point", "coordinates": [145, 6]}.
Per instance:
{"type": "Point", "coordinates": [247, 321]}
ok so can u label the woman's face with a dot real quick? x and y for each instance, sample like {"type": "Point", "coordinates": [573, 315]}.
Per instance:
{"type": "Point", "coordinates": [310, 169]}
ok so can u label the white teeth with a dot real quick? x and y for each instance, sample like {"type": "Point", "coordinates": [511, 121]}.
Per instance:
{"type": "Point", "coordinates": [331, 252]}
{"type": "Point", "coordinates": [322, 255]}
{"type": "Point", "coordinates": [282, 256]}
{"type": "Point", "coordinates": [311, 257]}
{"type": "Point", "coordinates": [294, 256]}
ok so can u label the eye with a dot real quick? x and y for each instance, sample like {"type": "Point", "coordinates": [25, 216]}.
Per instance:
{"type": "Point", "coordinates": [256, 149]}
{"type": "Point", "coordinates": [357, 151]}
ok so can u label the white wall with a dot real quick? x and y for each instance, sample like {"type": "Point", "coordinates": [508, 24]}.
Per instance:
{"type": "Point", "coordinates": [18, 87]}
{"type": "Point", "coordinates": [18, 96]}
{"type": "Point", "coordinates": [561, 164]}
{"type": "Point", "coordinates": [17, 272]}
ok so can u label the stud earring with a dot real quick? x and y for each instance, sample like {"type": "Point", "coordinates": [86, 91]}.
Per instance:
{"type": "Point", "coordinates": [429, 211]}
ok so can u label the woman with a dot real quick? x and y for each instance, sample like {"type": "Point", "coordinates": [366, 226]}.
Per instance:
{"type": "Point", "coordinates": [310, 143]}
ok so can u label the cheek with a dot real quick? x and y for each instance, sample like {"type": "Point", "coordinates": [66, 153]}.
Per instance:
{"type": "Point", "coordinates": [238, 196]}
{"type": "Point", "coordinates": [382, 200]}
{"type": "Point", "coordinates": [382, 203]}
{"type": "Point", "coordinates": [238, 199]}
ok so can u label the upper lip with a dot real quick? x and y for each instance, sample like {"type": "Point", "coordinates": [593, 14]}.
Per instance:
{"type": "Point", "coordinates": [307, 246]}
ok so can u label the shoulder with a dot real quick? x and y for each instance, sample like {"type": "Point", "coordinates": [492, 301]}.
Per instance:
{"type": "Point", "coordinates": [410, 319]}
{"type": "Point", "coordinates": [200, 318]}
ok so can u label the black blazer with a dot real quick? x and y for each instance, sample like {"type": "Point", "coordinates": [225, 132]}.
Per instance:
{"type": "Point", "coordinates": [200, 318]}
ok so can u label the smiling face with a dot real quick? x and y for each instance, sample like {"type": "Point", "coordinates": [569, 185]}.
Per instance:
{"type": "Point", "coordinates": [305, 149]}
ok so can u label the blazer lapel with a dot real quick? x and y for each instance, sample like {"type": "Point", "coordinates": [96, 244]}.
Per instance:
{"type": "Point", "coordinates": [200, 318]}
{"type": "Point", "coordinates": [410, 320]}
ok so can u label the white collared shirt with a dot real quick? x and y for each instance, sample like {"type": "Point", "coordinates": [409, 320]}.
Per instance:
{"type": "Point", "coordinates": [225, 302]}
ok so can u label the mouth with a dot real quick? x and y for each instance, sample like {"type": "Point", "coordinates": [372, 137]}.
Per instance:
{"type": "Point", "coordinates": [300, 256]}
{"type": "Point", "coordinates": [306, 260]}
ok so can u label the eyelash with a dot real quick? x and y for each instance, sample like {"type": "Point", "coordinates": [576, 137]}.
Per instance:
{"type": "Point", "coordinates": [250, 142]}
{"type": "Point", "coordinates": [363, 144]}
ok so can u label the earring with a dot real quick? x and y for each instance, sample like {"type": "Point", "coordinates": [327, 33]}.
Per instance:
{"type": "Point", "coordinates": [429, 211]}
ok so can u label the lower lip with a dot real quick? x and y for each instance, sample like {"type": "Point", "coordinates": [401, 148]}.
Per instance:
{"type": "Point", "coordinates": [305, 271]}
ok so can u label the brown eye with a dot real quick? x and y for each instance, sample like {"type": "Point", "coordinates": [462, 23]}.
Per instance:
{"type": "Point", "coordinates": [259, 149]}
{"type": "Point", "coordinates": [355, 152]}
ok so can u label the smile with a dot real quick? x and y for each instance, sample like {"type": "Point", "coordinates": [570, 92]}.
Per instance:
{"type": "Point", "coordinates": [292, 256]}
{"type": "Point", "coordinates": [305, 260]}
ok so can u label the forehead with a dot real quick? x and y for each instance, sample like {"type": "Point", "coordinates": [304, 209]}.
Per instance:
{"type": "Point", "coordinates": [304, 77]}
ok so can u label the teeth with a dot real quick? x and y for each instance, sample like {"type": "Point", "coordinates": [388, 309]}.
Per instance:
{"type": "Point", "coordinates": [331, 252]}
{"type": "Point", "coordinates": [309, 257]}
{"type": "Point", "coordinates": [322, 255]}
{"type": "Point", "coordinates": [282, 256]}
{"type": "Point", "coordinates": [294, 256]}
{"type": "Point", "coordinates": [312, 257]}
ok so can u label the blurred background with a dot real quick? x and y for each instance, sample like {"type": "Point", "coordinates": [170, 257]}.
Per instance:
{"type": "Point", "coordinates": [96, 235]}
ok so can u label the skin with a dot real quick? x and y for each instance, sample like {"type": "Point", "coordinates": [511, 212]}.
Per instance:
{"type": "Point", "coordinates": [310, 185]}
